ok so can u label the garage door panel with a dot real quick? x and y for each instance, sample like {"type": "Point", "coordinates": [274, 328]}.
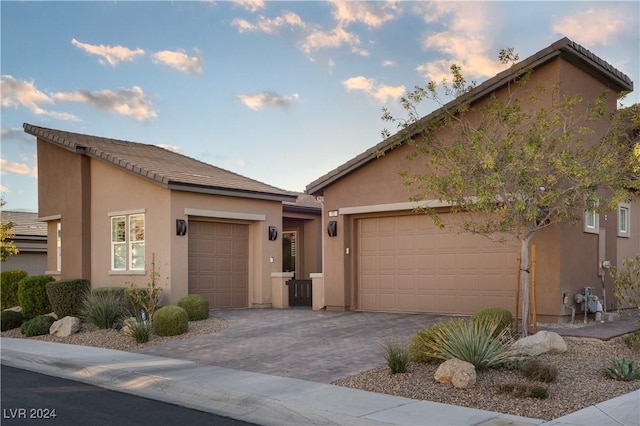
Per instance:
{"type": "Point", "coordinates": [420, 268]}
{"type": "Point", "coordinates": [218, 263]}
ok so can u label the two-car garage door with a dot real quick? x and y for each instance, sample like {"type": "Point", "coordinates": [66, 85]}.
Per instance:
{"type": "Point", "coordinates": [219, 263]}
{"type": "Point", "coordinates": [407, 264]}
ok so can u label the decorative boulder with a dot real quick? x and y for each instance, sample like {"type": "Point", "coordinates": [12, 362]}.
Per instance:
{"type": "Point", "coordinates": [540, 343]}
{"type": "Point", "coordinates": [15, 309]}
{"type": "Point", "coordinates": [460, 374]}
{"type": "Point", "coordinates": [65, 327]}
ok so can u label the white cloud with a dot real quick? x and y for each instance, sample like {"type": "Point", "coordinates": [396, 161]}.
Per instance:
{"type": "Point", "coordinates": [17, 93]}
{"type": "Point", "coordinates": [259, 100]}
{"type": "Point", "coordinates": [172, 148]}
{"type": "Point", "coordinates": [466, 39]}
{"type": "Point", "coordinates": [179, 60]}
{"type": "Point", "coordinates": [131, 102]}
{"type": "Point", "coordinates": [250, 5]}
{"type": "Point", "coordinates": [388, 63]}
{"type": "Point", "coordinates": [270, 25]}
{"type": "Point", "coordinates": [372, 88]}
{"type": "Point", "coordinates": [109, 54]}
{"type": "Point", "coordinates": [18, 168]}
{"type": "Point", "coordinates": [373, 14]}
{"type": "Point", "coordinates": [595, 26]}
{"type": "Point", "coordinates": [318, 39]}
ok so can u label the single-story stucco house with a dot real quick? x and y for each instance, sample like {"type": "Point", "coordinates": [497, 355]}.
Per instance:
{"type": "Point", "coordinates": [382, 256]}
{"type": "Point", "coordinates": [112, 207]}
{"type": "Point", "coordinates": [30, 238]}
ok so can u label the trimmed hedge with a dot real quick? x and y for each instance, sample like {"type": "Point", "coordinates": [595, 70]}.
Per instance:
{"type": "Point", "coordinates": [67, 297]}
{"type": "Point", "coordinates": [9, 288]}
{"type": "Point", "coordinates": [10, 320]}
{"type": "Point", "coordinates": [197, 306]}
{"type": "Point", "coordinates": [170, 321]}
{"type": "Point", "coordinates": [32, 292]}
{"type": "Point", "coordinates": [37, 326]}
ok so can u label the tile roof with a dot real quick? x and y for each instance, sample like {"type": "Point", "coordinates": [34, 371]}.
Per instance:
{"type": "Point", "coordinates": [305, 203]}
{"type": "Point", "coordinates": [564, 48]}
{"type": "Point", "coordinates": [25, 223]}
{"type": "Point", "coordinates": [167, 168]}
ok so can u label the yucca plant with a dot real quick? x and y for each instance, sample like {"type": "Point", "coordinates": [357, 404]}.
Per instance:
{"type": "Point", "coordinates": [622, 369]}
{"type": "Point", "coordinates": [101, 309]}
{"type": "Point", "coordinates": [397, 357]}
{"type": "Point", "coordinates": [477, 342]}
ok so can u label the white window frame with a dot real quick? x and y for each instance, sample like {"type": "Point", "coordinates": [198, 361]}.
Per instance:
{"type": "Point", "coordinates": [624, 220]}
{"type": "Point", "coordinates": [59, 246]}
{"type": "Point", "coordinates": [130, 240]}
{"type": "Point", "coordinates": [591, 222]}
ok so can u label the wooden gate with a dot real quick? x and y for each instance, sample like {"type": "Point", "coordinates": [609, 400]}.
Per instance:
{"type": "Point", "coordinates": [299, 292]}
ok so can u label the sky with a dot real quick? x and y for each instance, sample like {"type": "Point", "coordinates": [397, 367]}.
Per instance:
{"type": "Point", "coordinates": [280, 92]}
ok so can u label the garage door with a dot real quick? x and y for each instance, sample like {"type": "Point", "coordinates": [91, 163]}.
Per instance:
{"type": "Point", "coordinates": [219, 263]}
{"type": "Point", "coordinates": [407, 264]}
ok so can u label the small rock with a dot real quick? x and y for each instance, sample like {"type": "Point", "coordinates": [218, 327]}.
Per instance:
{"type": "Point", "coordinates": [540, 343]}
{"type": "Point", "coordinates": [65, 327]}
{"type": "Point", "coordinates": [15, 309]}
{"type": "Point", "coordinates": [460, 374]}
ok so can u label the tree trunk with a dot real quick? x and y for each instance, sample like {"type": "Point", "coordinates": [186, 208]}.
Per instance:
{"type": "Point", "coordinates": [525, 283]}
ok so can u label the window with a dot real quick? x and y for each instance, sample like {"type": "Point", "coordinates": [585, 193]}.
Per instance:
{"type": "Point", "coordinates": [623, 220]}
{"type": "Point", "coordinates": [58, 247]}
{"type": "Point", "coordinates": [591, 222]}
{"type": "Point", "coordinates": [127, 242]}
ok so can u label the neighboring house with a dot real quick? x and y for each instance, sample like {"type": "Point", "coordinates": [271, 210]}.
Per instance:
{"type": "Point", "coordinates": [30, 238]}
{"type": "Point", "coordinates": [112, 207]}
{"type": "Point", "coordinates": [382, 256]}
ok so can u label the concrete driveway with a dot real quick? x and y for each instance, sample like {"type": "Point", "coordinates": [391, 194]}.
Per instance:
{"type": "Point", "coordinates": [299, 343]}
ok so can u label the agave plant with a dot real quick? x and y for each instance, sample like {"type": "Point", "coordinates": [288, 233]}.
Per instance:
{"type": "Point", "coordinates": [622, 369]}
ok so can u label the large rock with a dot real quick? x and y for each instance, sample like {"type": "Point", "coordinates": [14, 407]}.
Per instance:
{"type": "Point", "coordinates": [540, 343]}
{"type": "Point", "coordinates": [460, 374]}
{"type": "Point", "coordinates": [65, 327]}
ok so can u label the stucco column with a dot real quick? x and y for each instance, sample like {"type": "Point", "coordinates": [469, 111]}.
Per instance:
{"type": "Point", "coordinates": [317, 286]}
{"type": "Point", "coordinates": [279, 289]}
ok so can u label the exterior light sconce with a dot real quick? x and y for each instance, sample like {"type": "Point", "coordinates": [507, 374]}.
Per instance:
{"type": "Point", "coordinates": [332, 228]}
{"type": "Point", "coordinates": [181, 227]}
{"type": "Point", "coordinates": [273, 233]}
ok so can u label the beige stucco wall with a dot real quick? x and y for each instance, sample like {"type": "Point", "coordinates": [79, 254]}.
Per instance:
{"type": "Point", "coordinates": [265, 256]}
{"type": "Point", "coordinates": [64, 187]}
{"type": "Point", "coordinates": [567, 257]}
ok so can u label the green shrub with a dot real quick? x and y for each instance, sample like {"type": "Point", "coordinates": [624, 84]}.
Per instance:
{"type": "Point", "coordinates": [170, 321]}
{"type": "Point", "coordinates": [138, 328]}
{"type": "Point", "coordinates": [623, 370]}
{"type": "Point", "coordinates": [197, 307]}
{"type": "Point", "coordinates": [120, 293]}
{"type": "Point", "coordinates": [501, 316]}
{"type": "Point", "coordinates": [10, 320]}
{"type": "Point", "coordinates": [535, 370]}
{"type": "Point", "coordinates": [9, 288]}
{"type": "Point", "coordinates": [397, 357]}
{"type": "Point", "coordinates": [476, 342]}
{"type": "Point", "coordinates": [632, 339]}
{"type": "Point", "coordinates": [67, 297]}
{"type": "Point", "coordinates": [32, 292]}
{"type": "Point", "coordinates": [101, 308]}
{"type": "Point", "coordinates": [422, 340]}
{"type": "Point", "coordinates": [37, 326]}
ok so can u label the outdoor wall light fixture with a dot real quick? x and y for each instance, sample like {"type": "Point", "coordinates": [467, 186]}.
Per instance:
{"type": "Point", "coordinates": [273, 233]}
{"type": "Point", "coordinates": [181, 227]}
{"type": "Point", "coordinates": [332, 228]}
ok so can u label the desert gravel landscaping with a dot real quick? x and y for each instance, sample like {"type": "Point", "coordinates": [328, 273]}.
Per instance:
{"type": "Point", "coordinates": [580, 382]}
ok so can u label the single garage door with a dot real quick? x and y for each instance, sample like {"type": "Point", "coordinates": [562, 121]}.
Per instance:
{"type": "Point", "coordinates": [219, 263]}
{"type": "Point", "coordinates": [407, 264]}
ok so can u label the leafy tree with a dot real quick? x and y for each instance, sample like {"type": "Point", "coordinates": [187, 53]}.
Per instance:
{"type": "Point", "coordinates": [517, 161]}
{"type": "Point", "coordinates": [7, 247]}
{"type": "Point", "coordinates": [627, 282]}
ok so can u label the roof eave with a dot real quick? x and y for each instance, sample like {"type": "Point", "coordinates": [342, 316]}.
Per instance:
{"type": "Point", "coordinates": [211, 190]}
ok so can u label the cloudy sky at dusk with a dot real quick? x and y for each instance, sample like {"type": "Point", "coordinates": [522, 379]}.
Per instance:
{"type": "Point", "coordinates": [281, 92]}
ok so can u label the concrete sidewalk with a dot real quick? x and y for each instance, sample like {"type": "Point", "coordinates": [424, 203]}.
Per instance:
{"type": "Point", "coordinates": [266, 399]}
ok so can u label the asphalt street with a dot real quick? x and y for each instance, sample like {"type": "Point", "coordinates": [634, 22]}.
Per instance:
{"type": "Point", "coordinates": [30, 398]}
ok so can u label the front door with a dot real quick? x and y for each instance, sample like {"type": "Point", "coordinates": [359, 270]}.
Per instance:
{"type": "Point", "coordinates": [289, 252]}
